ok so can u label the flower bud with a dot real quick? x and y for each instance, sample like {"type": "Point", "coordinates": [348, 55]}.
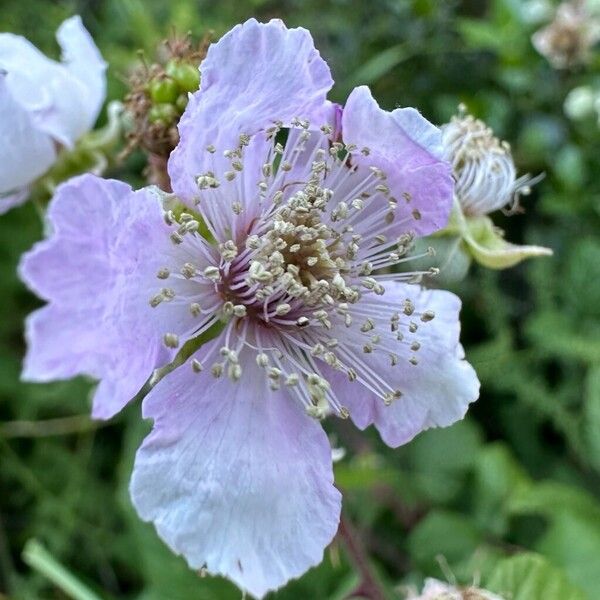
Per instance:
{"type": "Point", "coordinates": [159, 95]}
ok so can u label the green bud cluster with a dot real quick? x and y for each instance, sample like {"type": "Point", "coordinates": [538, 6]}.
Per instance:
{"type": "Point", "coordinates": [168, 91]}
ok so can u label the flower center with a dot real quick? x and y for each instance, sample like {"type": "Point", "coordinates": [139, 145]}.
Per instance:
{"type": "Point", "coordinates": [288, 265]}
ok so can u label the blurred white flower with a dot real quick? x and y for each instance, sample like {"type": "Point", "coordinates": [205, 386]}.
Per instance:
{"type": "Point", "coordinates": [438, 590]}
{"type": "Point", "coordinates": [45, 105]}
{"type": "Point", "coordinates": [568, 39]}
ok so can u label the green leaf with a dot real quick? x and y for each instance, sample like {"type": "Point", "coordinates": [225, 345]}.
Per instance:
{"type": "Point", "coordinates": [440, 458]}
{"type": "Point", "coordinates": [531, 577]}
{"type": "Point", "coordinates": [443, 533]}
{"type": "Point", "coordinates": [380, 64]}
{"type": "Point", "coordinates": [550, 499]}
{"type": "Point", "coordinates": [479, 34]}
{"type": "Point", "coordinates": [573, 542]}
{"type": "Point", "coordinates": [572, 539]}
{"type": "Point", "coordinates": [497, 477]}
{"type": "Point", "coordinates": [591, 415]}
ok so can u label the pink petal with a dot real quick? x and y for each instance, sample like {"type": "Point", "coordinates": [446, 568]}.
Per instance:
{"type": "Point", "coordinates": [256, 74]}
{"type": "Point", "coordinates": [236, 477]}
{"type": "Point", "coordinates": [408, 148]}
{"type": "Point", "coordinates": [436, 391]}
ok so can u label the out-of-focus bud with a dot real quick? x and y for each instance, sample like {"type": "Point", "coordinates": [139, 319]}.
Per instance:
{"type": "Point", "coordinates": [438, 590]}
{"type": "Point", "coordinates": [580, 103]}
{"type": "Point", "coordinates": [158, 96]}
{"type": "Point", "coordinates": [566, 42]}
{"type": "Point", "coordinates": [486, 181]}
{"type": "Point", "coordinates": [45, 106]}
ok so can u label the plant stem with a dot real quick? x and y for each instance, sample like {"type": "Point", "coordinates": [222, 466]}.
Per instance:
{"type": "Point", "coordinates": [369, 587]}
{"type": "Point", "coordinates": [48, 427]}
{"type": "Point", "coordinates": [38, 558]}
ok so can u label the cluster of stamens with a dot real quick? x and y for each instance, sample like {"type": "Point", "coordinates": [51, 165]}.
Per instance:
{"type": "Point", "coordinates": [285, 280]}
{"type": "Point", "coordinates": [483, 166]}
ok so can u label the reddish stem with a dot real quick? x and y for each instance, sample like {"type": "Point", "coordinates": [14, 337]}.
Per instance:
{"type": "Point", "coordinates": [369, 586]}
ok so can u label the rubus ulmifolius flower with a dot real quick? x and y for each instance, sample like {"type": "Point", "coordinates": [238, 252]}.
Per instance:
{"type": "Point", "coordinates": [45, 105]}
{"type": "Point", "coordinates": [280, 231]}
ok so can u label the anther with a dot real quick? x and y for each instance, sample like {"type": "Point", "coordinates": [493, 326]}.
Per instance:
{"type": "Point", "coordinates": [176, 238]}
{"type": "Point", "coordinates": [171, 340]}
{"type": "Point", "coordinates": [240, 311]}
{"type": "Point", "coordinates": [262, 360]}
{"type": "Point", "coordinates": [283, 309]}
{"type": "Point", "coordinates": [292, 379]}
{"type": "Point", "coordinates": [188, 270]}
{"type": "Point", "coordinates": [212, 273]}
{"type": "Point", "coordinates": [302, 322]}
{"type": "Point", "coordinates": [156, 300]}
{"type": "Point", "coordinates": [409, 307]}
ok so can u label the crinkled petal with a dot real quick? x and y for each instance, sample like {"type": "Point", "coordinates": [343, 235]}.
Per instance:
{"type": "Point", "coordinates": [236, 477]}
{"type": "Point", "coordinates": [256, 74]}
{"type": "Point", "coordinates": [25, 152]}
{"type": "Point", "coordinates": [74, 265]}
{"type": "Point", "coordinates": [98, 271]}
{"type": "Point", "coordinates": [62, 343]}
{"type": "Point", "coordinates": [62, 99]}
{"type": "Point", "coordinates": [409, 150]}
{"type": "Point", "coordinates": [436, 391]}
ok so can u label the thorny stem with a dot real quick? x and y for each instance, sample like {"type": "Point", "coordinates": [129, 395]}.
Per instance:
{"type": "Point", "coordinates": [369, 587]}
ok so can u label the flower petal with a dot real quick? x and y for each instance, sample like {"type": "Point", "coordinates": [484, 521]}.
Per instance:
{"type": "Point", "coordinates": [62, 99]}
{"type": "Point", "coordinates": [408, 148]}
{"type": "Point", "coordinates": [81, 57]}
{"type": "Point", "coordinates": [436, 391]}
{"type": "Point", "coordinates": [98, 271]}
{"type": "Point", "coordinates": [12, 200]}
{"type": "Point", "coordinates": [256, 74]}
{"type": "Point", "coordinates": [25, 152]}
{"type": "Point", "coordinates": [236, 477]}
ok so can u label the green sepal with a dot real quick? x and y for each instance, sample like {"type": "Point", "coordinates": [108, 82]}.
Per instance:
{"type": "Point", "coordinates": [485, 242]}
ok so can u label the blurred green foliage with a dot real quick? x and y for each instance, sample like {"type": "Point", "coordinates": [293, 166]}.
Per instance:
{"type": "Point", "coordinates": [510, 496]}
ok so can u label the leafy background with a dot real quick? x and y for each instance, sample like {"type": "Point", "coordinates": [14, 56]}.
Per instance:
{"type": "Point", "coordinates": [509, 497]}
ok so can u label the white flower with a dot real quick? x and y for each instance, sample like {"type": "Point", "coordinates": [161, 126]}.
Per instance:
{"type": "Point", "coordinates": [44, 104]}
{"type": "Point", "coordinates": [567, 41]}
